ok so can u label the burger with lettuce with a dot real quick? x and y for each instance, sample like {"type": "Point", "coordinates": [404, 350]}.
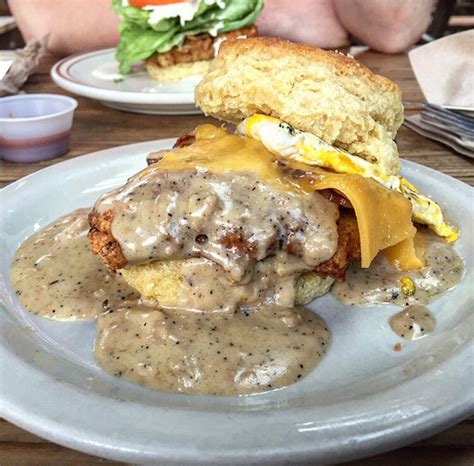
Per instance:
{"type": "Point", "coordinates": [179, 38]}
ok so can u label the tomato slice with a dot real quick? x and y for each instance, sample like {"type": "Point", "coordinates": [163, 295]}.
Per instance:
{"type": "Point", "coordinates": [142, 3]}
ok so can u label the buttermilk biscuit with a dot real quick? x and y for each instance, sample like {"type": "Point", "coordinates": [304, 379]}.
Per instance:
{"type": "Point", "coordinates": [163, 283]}
{"type": "Point", "coordinates": [326, 93]}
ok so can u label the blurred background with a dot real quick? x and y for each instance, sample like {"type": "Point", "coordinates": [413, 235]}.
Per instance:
{"type": "Point", "coordinates": [450, 16]}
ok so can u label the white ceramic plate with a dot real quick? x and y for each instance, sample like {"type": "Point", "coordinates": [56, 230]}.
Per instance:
{"type": "Point", "coordinates": [364, 398]}
{"type": "Point", "coordinates": [95, 75]}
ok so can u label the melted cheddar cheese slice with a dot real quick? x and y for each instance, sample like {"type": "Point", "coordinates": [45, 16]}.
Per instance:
{"type": "Point", "coordinates": [383, 216]}
{"type": "Point", "coordinates": [408, 254]}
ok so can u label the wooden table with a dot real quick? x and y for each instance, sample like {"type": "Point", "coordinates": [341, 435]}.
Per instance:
{"type": "Point", "coordinates": [97, 127]}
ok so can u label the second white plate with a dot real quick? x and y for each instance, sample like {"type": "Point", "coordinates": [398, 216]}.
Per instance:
{"type": "Point", "coordinates": [95, 75]}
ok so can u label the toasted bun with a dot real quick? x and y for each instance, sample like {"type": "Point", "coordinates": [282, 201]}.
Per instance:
{"type": "Point", "coordinates": [326, 93]}
{"type": "Point", "coordinates": [176, 72]}
{"type": "Point", "coordinates": [161, 282]}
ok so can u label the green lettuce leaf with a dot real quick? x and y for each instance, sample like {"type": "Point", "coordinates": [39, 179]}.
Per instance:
{"type": "Point", "coordinates": [240, 14]}
{"type": "Point", "coordinates": [139, 39]}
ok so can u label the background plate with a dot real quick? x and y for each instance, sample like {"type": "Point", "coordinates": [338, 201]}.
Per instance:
{"type": "Point", "coordinates": [95, 75]}
{"type": "Point", "coordinates": [364, 398]}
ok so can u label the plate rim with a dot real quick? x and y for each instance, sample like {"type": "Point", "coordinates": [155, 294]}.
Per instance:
{"type": "Point", "coordinates": [61, 76]}
{"type": "Point", "coordinates": [58, 433]}
{"type": "Point", "coordinates": [462, 409]}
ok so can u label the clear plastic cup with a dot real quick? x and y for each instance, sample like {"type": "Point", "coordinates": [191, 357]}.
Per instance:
{"type": "Point", "coordinates": [35, 127]}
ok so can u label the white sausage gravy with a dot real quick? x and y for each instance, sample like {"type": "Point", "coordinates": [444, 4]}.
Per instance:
{"type": "Point", "coordinates": [232, 352]}
{"type": "Point", "coordinates": [55, 275]}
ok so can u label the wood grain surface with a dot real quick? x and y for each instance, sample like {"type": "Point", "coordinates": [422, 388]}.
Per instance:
{"type": "Point", "coordinates": [97, 127]}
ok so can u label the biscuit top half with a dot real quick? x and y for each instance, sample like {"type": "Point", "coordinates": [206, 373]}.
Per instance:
{"type": "Point", "coordinates": [325, 93]}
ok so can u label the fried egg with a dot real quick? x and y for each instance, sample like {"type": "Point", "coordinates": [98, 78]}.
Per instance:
{"type": "Point", "coordinates": [283, 140]}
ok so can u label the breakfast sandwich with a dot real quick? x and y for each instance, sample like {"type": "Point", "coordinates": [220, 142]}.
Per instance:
{"type": "Point", "coordinates": [276, 211]}
{"type": "Point", "coordinates": [197, 270]}
{"type": "Point", "coordinates": [179, 38]}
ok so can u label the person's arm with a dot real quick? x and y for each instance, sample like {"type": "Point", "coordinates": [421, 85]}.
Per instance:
{"type": "Point", "coordinates": [73, 25]}
{"type": "Point", "coordinates": [310, 21]}
{"type": "Point", "coordinates": [388, 26]}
